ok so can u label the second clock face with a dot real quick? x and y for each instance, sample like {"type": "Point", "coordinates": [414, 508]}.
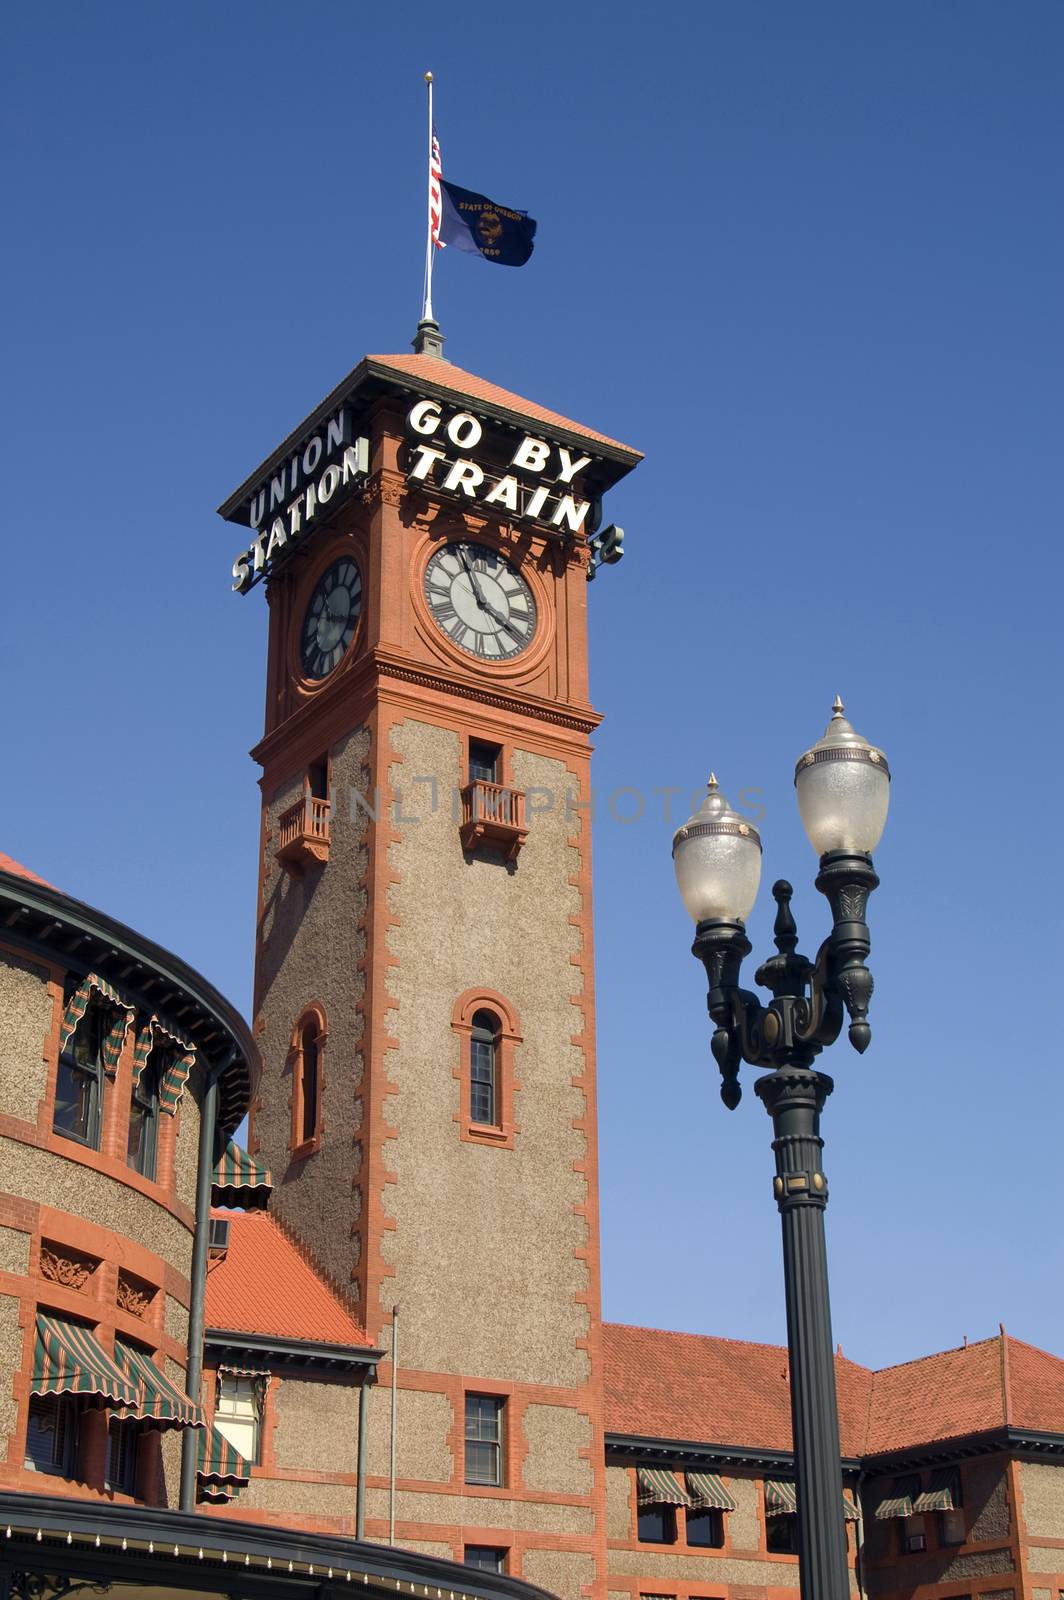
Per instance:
{"type": "Point", "coordinates": [480, 601]}
{"type": "Point", "coordinates": [332, 617]}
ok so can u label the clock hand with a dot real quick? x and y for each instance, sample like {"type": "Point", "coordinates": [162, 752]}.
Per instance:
{"type": "Point", "coordinates": [478, 593]}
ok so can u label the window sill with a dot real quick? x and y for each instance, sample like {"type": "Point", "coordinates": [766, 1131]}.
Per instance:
{"type": "Point", "coordinates": [309, 1147]}
{"type": "Point", "coordinates": [499, 1135]}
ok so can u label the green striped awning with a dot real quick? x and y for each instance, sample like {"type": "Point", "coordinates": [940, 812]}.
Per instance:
{"type": "Point", "coordinates": [240, 1180]}
{"type": "Point", "coordinates": [217, 1463]}
{"type": "Point", "coordinates": [656, 1486]}
{"type": "Point", "coordinates": [941, 1494]}
{"type": "Point", "coordinates": [781, 1497]}
{"type": "Point", "coordinates": [77, 1006]}
{"type": "Point", "coordinates": [781, 1500]}
{"type": "Point", "coordinates": [706, 1492]}
{"type": "Point", "coordinates": [69, 1359]}
{"type": "Point", "coordinates": [900, 1503]}
{"type": "Point", "coordinates": [172, 1086]}
{"type": "Point", "coordinates": [160, 1401]}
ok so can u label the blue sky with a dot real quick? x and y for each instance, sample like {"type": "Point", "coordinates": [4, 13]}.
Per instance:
{"type": "Point", "coordinates": [808, 259]}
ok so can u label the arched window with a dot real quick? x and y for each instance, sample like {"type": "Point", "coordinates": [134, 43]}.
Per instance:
{"type": "Point", "coordinates": [307, 1057]}
{"type": "Point", "coordinates": [484, 1068]}
{"type": "Point", "coordinates": [489, 1034]}
{"type": "Point", "coordinates": [308, 1086]}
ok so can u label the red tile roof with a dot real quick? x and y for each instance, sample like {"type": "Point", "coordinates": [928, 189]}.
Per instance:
{"type": "Point", "coordinates": [729, 1392]}
{"type": "Point", "coordinates": [265, 1284]}
{"type": "Point", "coordinates": [17, 870]}
{"type": "Point", "coordinates": [431, 369]}
{"type": "Point", "coordinates": [719, 1391]}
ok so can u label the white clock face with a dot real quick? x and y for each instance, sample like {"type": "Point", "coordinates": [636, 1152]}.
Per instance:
{"type": "Point", "coordinates": [480, 601]}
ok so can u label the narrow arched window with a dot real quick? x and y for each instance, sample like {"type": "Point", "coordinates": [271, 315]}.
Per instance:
{"type": "Point", "coordinates": [307, 1060]}
{"type": "Point", "coordinates": [308, 1080]}
{"type": "Point", "coordinates": [483, 1068]}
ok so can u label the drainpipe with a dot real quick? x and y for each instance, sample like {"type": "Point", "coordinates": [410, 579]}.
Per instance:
{"type": "Point", "coordinates": [369, 1376]}
{"type": "Point", "coordinates": [395, 1392]}
{"type": "Point", "coordinates": [194, 1366]}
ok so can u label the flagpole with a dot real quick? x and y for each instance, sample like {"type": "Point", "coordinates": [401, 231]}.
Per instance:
{"type": "Point", "coordinates": [426, 313]}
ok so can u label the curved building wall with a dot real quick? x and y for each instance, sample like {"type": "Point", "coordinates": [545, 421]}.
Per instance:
{"type": "Point", "coordinates": [83, 1236]}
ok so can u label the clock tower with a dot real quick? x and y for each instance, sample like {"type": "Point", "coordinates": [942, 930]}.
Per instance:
{"type": "Point", "coordinates": [424, 995]}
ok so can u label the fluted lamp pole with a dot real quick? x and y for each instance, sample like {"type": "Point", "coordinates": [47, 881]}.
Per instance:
{"type": "Point", "coordinates": [843, 786]}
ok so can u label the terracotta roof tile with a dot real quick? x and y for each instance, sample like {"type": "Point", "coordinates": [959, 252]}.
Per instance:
{"type": "Point", "coordinates": [431, 369]}
{"type": "Point", "coordinates": [719, 1391]}
{"type": "Point", "coordinates": [729, 1392]}
{"type": "Point", "coordinates": [937, 1397]}
{"type": "Point", "coordinates": [264, 1284]}
{"type": "Point", "coordinates": [17, 870]}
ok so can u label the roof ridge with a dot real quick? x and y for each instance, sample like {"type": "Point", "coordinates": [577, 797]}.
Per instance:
{"type": "Point", "coordinates": [953, 1349]}
{"type": "Point", "coordinates": [347, 1301]}
{"type": "Point", "coordinates": [1006, 1387]}
{"type": "Point", "coordinates": [709, 1338]}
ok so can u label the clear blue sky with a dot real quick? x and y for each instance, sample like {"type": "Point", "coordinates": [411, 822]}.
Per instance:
{"type": "Point", "coordinates": [809, 259]}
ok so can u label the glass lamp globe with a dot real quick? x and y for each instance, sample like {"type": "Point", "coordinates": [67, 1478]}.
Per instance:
{"type": "Point", "coordinates": [843, 787]}
{"type": "Point", "coordinates": [717, 857]}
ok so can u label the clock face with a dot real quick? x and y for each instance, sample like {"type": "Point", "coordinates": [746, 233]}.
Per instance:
{"type": "Point", "coordinates": [480, 601]}
{"type": "Point", "coordinates": [331, 619]}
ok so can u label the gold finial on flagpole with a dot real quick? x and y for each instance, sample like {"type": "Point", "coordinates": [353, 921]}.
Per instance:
{"type": "Point", "coordinates": [428, 77]}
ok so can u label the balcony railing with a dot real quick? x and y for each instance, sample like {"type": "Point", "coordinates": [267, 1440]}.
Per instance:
{"type": "Point", "coordinates": [303, 832]}
{"type": "Point", "coordinates": [493, 814]}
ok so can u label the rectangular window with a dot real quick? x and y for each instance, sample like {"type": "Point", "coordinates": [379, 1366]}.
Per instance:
{"type": "Point", "coordinates": [657, 1525]}
{"type": "Point", "coordinates": [238, 1413]}
{"type": "Point", "coordinates": [142, 1135]}
{"type": "Point", "coordinates": [52, 1435]}
{"type": "Point", "coordinates": [952, 1527]}
{"type": "Point", "coordinates": [488, 1557]}
{"type": "Point", "coordinates": [79, 1083]}
{"type": "Point", "coordinates": [781, 1535]}
{"type": "Point", "coordinates": [318, 779]}
{"type": "Point", "coordinates": [122, 1436]}
{"type": "Point", "coordinates": [484, 762]}
{"type": "Point", "coordinates": [706, 1528]}
{"type": "Point", "coordinates": [483, 1438]}
{"type": "Point", "coordinates": [913, 1535]}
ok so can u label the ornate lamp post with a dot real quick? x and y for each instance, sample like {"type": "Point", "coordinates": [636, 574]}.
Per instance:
{"type": "Point", "coordinates": [843, 786]}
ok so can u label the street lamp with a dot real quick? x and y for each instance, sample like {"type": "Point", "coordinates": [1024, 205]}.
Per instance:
{"type": "Point", "coordinates": [843, 786]}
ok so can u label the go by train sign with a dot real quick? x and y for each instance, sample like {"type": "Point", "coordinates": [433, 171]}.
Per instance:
{"type": "Point", "coordinates": [446, 453]}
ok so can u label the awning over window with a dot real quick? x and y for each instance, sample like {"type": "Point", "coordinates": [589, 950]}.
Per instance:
{"type": "Point", "coordinates": [77, 1006]}
{"type": "Point", "coordinates": [172, 1085]}
{"type": "Point", "coordinates": [69, 1359]}
{"type": "Point", "coordinates": [218, 1465]}
{"type": "Point", "coordinates": [706, 1492]}
{"type": "Point", "coordinates": [159, 1400]}
{"type": "Point", "coordinates": [781, 1500]}
{"type": "Point", "coordinates": [941, 1493]}
{"type": "Point", "coordinates": [899, 1505]}
{"type": "Point", "coordinates": [240, 1180]}
{"type": "Point", "coordinates": [655, 1486]}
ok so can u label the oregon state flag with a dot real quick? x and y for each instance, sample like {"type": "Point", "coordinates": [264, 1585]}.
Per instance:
{"type": "Point", "coordinates": [475, 224]}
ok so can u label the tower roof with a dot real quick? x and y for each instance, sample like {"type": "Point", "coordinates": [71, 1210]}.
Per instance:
{"type": "Point", "coordinates": [436, 378]}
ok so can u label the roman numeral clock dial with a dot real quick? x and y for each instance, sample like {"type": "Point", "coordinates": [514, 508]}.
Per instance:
{"type": "Point", "coordinates": [331, 618]}
{"type": "Point", "coordinates": [480, 601]}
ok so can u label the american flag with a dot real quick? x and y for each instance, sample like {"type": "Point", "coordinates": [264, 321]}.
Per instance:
{"type": "Point", "coordinates": [435, 203]}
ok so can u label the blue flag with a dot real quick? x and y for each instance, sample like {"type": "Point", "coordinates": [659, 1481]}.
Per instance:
{"type": "Point", "coordinates": [475, 224]}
